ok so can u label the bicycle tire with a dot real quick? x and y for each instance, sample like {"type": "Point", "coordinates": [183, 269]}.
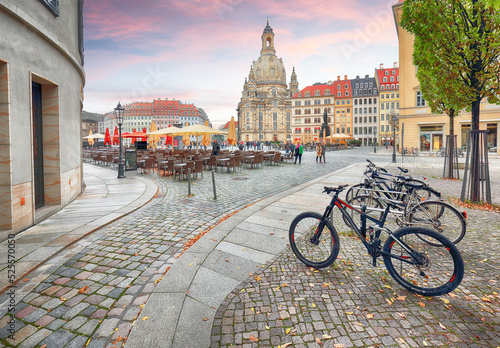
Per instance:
{"type": "Point", "coordinates": [301, 231]}
{"type": "Point", "coordinates": [441, 217]}
{"type": "Point", "coordinates": [440, 270]}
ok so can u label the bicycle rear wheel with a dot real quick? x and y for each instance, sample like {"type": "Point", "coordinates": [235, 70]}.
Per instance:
{"type": "Point", "coordinates": [441, 217]}
{"type": "Point", "coordinates": [374, 208]}
{"type": "Point", "coordinates": [356, 190]}
{"type": "Point", "coordinates": [428, 269]}
{"type": "Point", "coordinates": [315, 248]}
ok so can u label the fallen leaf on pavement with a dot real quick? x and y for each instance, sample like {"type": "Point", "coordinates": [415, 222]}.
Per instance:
{"type": "Point", "coordinates": [253, 338]}
{"type": "Point", "coordinates": [421, 304]}
{"type": "Point", "coordinates": [205, 319]}
{"type": "Point", "coordinates": [318, 341]}
{"type": "Point", "coordinates": [145, 318]}
{"type": "Point", "coordinates": [369, 316]}
{"type": "Point", "coordinates": [401, 298]}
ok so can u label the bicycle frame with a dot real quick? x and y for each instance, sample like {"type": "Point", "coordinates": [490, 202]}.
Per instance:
{"type": "Point", "coordinates": [373, 248]}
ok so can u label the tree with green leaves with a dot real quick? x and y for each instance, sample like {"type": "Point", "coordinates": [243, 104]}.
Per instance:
{"type": "Point", "coordinates": [457, 51]}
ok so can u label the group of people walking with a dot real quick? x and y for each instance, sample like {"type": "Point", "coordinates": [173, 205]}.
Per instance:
{"type": "Point", "coordinates": [298, 150]}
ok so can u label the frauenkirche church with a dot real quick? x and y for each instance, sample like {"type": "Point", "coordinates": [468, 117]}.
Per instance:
{"type": "Point", "coordinates": [264, 111]}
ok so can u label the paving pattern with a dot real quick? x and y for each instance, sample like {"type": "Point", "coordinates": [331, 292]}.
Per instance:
{"type": "Point", "coordinates": [352, 304]}
{"type": "Point", "coordinates": [92, 292]}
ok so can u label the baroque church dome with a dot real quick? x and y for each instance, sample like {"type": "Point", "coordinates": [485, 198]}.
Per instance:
{"type": "Point", "coordinates": [268, 68]}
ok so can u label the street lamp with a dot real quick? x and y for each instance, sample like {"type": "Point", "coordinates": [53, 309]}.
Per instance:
{"type": "Point", "coordinates": [394, 121]}
{"type": "Point", "coordinates": [375, 140]}
{"type": "Point", "coordinates": [119, 110]}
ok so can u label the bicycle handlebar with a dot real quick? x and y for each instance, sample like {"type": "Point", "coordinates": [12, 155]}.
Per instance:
{"type": "Point", "coordinates": [337, 189]}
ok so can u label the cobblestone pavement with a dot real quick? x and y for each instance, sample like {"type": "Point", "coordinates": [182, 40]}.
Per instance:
{"type": "Point", "coordinates": [352, 304]}
{"type": "Point", "coordinates": [92, 292]}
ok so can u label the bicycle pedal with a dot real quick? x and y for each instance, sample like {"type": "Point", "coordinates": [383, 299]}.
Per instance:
{"type": "Point", "coordinates": [374, 262]}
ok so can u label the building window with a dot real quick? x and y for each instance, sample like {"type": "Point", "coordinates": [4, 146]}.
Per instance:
{"type": "Point", "coordinates": [382, 87]}
{"type": "Point", "coordinates": [327, 91]}
{"type": "Point", "coordinates": [420, 99]}
{"type": "Point", "coordinates": [339, 94]}
{"type": "Point", "coordinates": [52, 5]}
{"type": "Point", "coordinates": [317, 93]}
{"type": "Point", "coordinates": [346, 93]}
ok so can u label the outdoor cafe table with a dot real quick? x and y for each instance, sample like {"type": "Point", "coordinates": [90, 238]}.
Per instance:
{"type": "Point", "coordinates": [180, 165]}
{"type": "Point", "coordinates": [224, 161]}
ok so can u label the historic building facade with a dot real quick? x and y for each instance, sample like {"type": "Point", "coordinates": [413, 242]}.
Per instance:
{"type": "Point", "coordinates": [423, 129]}
{"type": "Point", "coordinates": [365, 109]}
{"type": "Point", "coordinates": [388, 85]}
{"type": "Point", "coordinates": [41, 96]}
{"type": "Point", "coordinates": [308, 107]}
{"type": "Point", "coordinates": [343, 106]}
{"type": "Point", "coordinates": [264, 111]}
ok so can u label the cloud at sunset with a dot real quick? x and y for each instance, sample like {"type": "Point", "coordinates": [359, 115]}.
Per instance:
{"type": "Point", "coordinates": [201, 51]}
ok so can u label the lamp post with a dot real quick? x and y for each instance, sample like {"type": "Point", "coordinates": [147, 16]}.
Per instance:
{"type": "Point", "coordinates": [375, 140]}
{"type": "Point", "coordinates": [394, 122]}
{"type": "Point", "coordinates": [119, 110]}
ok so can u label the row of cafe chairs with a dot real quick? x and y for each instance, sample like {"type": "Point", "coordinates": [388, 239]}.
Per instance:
{"type": "Point", "coordinates": [163, 161]}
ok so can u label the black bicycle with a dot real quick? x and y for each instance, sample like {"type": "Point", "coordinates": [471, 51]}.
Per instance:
{"type": "Point", "coordinates": [428, 269]}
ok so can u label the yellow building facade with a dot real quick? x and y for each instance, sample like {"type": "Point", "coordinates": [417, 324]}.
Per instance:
{"type": "Point", "coordinates": [423, 129]}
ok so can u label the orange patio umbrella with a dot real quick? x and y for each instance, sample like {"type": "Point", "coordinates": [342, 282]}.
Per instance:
{"type": "Point", "coordinates": [90, 139]}
{"type": "Point", "coordinates": [231, 136]}
{"type": "Point", "coordinates": [133, 139]}
{"type": "Point", "coordinates": [205, 140]}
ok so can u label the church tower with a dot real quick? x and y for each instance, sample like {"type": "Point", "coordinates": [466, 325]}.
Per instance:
{"type": "Point", "coordinates": [264, 111]}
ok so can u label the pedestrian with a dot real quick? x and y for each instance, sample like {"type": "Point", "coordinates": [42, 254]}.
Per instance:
{"type": "Point", "coordinates": [292, 148]}
{"type": "Point", "coordinates": [215, 148]}
{"type": "Point", "coordinates": [287, 147]}
{"type": "Point", "coordinates": [323, 152]}
{"type": "Point", "coordinates": [299, 150]}
{"type": "Point", "coordinates": [318, 153]}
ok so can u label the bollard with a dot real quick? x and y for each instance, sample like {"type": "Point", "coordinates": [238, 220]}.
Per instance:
{"type": "Point", "coordinates": [213, 183]}
{"type": "Point", "coordinates": [189, 181]}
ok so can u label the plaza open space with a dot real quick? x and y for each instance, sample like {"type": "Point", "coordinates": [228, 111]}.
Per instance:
{"type": "Point", "coordinates": [137, 262]}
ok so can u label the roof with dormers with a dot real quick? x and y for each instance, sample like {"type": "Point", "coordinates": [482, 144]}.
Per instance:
{"type": "Point", "coordinates": [386, 84]}
{"type": "Point", "coordinates": [322, 88]}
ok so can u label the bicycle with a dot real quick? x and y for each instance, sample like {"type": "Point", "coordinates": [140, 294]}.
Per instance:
{"type": "Point", "coordinates": [415, 264]}
{"type": "Point", "coordinates": [411, 210]}
{"type": "Point", "coordinates": [389, 185]}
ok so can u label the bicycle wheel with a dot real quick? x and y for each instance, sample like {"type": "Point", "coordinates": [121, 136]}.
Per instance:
{"type": "Point", "coordinates": [428, 269]}
{"type": "Point", "coordinates": [441, 217]}
{"type": "Point", "coordinates": [313, 247]}
{"type": "Point", "coordinates": [356, 190]}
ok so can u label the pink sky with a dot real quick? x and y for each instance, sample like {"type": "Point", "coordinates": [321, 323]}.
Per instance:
{"type": "Point", "coordinates": [200, 51]}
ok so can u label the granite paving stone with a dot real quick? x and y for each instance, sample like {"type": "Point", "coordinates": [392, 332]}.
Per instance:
{"type": "Point", "coordinates": [143, 245]}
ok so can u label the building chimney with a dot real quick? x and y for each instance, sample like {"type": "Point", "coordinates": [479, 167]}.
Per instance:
{"type": "Point", "coordinates": [367, 76]}
{"type": "Point", "coordinates": [345, 77]}
{"type": "Point", "coordinates": [357, 77]}
{"type": "Point", "coordinates": [395, 64]}
{"type": "Point", "coordinates": [381, 65]}
{"type": "Point", "coordinates": [338, 78]}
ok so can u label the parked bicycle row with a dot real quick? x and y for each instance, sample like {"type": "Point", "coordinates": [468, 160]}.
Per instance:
{"type": "Point", "coordinates": [418, 249]}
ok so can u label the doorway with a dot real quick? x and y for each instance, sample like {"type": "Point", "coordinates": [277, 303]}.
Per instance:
{"type": "Point", "coordinates": [36, 95]}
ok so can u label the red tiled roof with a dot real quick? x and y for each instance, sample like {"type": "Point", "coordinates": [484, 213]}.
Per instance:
{"type": "Point", "coordinates": [226, 125]}
{"type": "Point", "coordinates": [312, 89]}
{"type": "Point", "coordinates": [381, 74]}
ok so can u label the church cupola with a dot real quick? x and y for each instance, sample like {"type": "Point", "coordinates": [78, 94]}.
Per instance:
{"type": "Point", "coordinates": [267, 40]}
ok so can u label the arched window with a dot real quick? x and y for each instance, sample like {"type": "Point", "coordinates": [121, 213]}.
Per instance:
{"type": "Point", "coordinates": [394, 72]}
{"type": "Point", "coordinates": [339, 94]}
{"type": "Point", "coordinates": [392, 78]}
{"type": "Point", "coordinates": [273, 92]}
{"type": "Point", "coordinates": [346, 93]}
{"type": "Point", "coordinates": [308, 94]}
{"type": "Point", "coordinates": [327, 92]}
{"type": "Point", "coordinates": [384, 79]}
{"type": "Point", "coordinates": [317, 93]}
{"type": "Point", "coordinates": [386, 72]}
{"type": "Point", "coordinates": [382, 87]}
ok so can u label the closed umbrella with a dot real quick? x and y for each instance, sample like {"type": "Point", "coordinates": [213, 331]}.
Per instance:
{"type": "Point", "coordinates": [144, 131]}
{"type": "Point", "coordinates": [231, 135]}
{"type": "Point", "coordinates": [133, 139]}
{"type": "Point", "coordinates": [205, 140]}
{"type": "Point", "coordinates": [90, 139]}
{"type": "Point", "coordinates": [116, 137]}
{"type": "Point", "coordinates": [153, 138]}
{"type": "Point", "coordinates": [185, 138]}
{"type": "Point", "coordinates": [107, 138]}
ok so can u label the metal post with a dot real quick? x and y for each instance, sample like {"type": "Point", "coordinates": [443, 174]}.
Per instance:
{"type": "Point", "coordinates": [189, 181]}
{"type": "Point", "coordinates": [394, 146]}
{"type": "Point", "coordinates": [213, 184]}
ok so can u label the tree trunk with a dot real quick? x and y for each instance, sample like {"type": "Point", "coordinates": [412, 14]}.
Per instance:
{"type": "Point", "coordinates": [475, 165]}
{"type": "Point", "coordinates": [451, 150]}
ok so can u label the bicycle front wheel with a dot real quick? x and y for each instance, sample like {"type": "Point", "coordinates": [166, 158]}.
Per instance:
{"type": "Point", "coordinates": [428, 269]}
{"type": "Point", "coordinates": [315, 246]}
{"type": "Point", "coordinates": [441, 217]}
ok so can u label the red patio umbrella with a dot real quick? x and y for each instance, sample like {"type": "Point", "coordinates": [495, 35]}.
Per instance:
{"type": "Point", "coordinates": [144, 131]}
{"type": "Point", "coordinates": [133, 139]}
{"type": "Point", "coordinates": [116, 137]}
{"type": "Point", "coordinates": [107, 138]}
